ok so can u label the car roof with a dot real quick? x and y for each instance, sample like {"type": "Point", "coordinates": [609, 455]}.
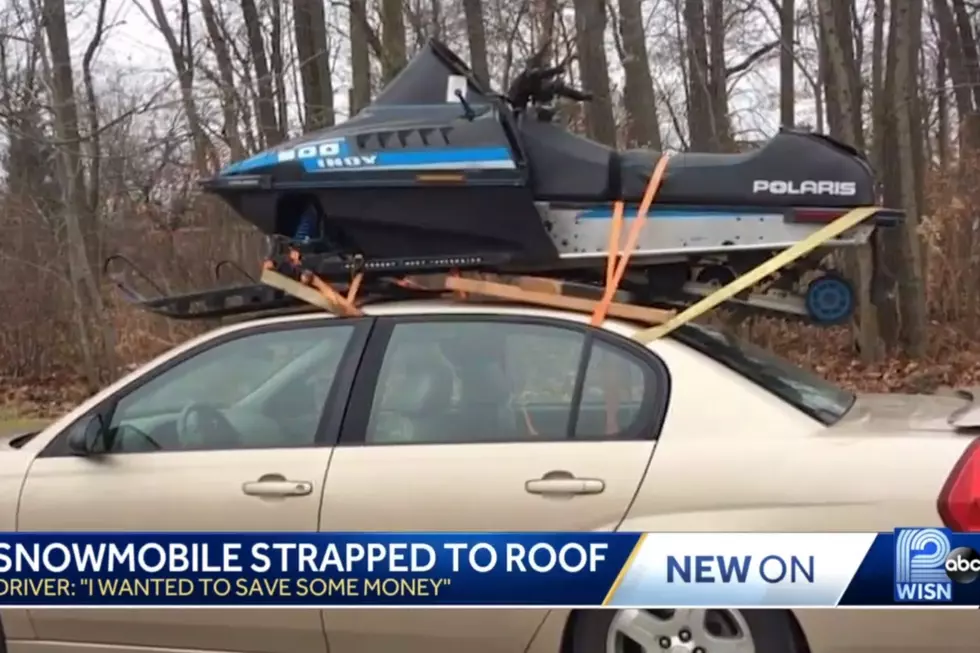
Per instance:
{"type": "Point", "coordinates": [445, 307]}
{"type": "Point", "coordinates": [664, 347]}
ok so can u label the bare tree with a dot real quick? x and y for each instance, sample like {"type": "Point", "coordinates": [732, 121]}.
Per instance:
{"type": "Point", "coordinates": [393, 52]}
{"type": "Point", "coordinates": [590, 30]}
{"type": "Point", "coordinates": [226, 75]}
{"type": "Point", "coordinates": [96, 341]}
{"type": "Point", "coordinates": [700, 125]}
{"type": "Point", "coordinates": [477, 37]}
{"type": "Point", "coordinates": [642, 119]}
{"type": "Point", "coordinates": [181, 53]}
{"type": "Point", "coordinates": [787, 63]}
{"type": "Point", "coordinates": [360, 57]}
{"type": "Point", "coordinates": [265, 103]}
{"type": "Point", "coordinates": [314, 63]}
{"type": "Point", "coordinates": [906, 26]}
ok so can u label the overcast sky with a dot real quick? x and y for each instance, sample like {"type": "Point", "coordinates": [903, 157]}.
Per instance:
{"type": "Point", "coordinates": [135, 54]}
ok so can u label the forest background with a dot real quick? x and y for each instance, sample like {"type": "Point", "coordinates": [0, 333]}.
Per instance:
{"type": "Point", "coordinates": [112, 110]}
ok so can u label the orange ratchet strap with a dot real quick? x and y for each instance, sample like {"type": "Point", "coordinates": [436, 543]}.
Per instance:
{"type": "Point", "coordinates": [616, 262]}
{"type": "Point", "coordinates": [621, 255]}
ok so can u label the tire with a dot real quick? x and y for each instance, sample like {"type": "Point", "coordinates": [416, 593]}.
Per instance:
{"type": "Point", "coordinates": [771, 631]}
{"type": "Point", "coordinates": [830, 299]}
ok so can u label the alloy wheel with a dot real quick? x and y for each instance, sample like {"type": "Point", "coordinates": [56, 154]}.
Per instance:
{"type": "Point", "coordinates": [679, 631]}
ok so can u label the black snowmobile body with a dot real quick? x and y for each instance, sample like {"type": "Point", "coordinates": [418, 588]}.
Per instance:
{"type": "Point", "coordinates": [440, 172]}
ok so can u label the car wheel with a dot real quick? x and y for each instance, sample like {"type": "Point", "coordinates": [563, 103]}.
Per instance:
{"type": "Point", "coordinates": [684, 631]}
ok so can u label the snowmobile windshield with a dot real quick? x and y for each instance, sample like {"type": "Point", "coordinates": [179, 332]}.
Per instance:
{"type": "Point", "coordinates": [815, 396]}
{"type": "Point", "coordinates": [424, 79]}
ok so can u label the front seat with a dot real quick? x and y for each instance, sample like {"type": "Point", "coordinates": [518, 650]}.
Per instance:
{"type": "Point", "coordinates": [487, 404]}
{"type": "Point", "coordinates": [414, 400]}
{"type": "Point", "coordinates": [432, 417]}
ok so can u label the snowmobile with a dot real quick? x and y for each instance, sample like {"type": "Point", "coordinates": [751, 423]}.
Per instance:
{"type": "Point", "coordinates": [441, 173]}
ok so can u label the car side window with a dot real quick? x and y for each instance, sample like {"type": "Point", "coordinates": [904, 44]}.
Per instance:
{"type": "Point", "coordinates": [264, 390]}
{"type": "Point", "coordinates": [498, 381]}
{"type": "Point", "coordinates": [613, 393]}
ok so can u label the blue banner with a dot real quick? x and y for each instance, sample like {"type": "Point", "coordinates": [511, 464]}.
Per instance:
{"type": "Point", "coordinates": [310, 569]}
{"type": "Point", "coordinates": [917, 567]}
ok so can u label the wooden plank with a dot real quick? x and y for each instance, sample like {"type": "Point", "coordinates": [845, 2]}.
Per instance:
{"type": "Point", "coordinates": [550, 299]}
{"type": "Point", "coordinates": [302, 292]}
{"type": "Point", "coordinates": [538, 291]}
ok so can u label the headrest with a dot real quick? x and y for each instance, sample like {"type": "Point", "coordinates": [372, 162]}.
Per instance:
{"type": "Point", "coordinates": [438, 383]}
{"type": "Point", "coordinates": [416, 381]}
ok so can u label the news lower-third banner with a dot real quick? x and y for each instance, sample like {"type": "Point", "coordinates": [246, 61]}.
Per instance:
{"type": "Point", "coordinates": [912, 567]}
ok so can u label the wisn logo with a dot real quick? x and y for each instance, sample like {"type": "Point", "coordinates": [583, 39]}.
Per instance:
{"type": "Point", "coordinates": [926, 565]}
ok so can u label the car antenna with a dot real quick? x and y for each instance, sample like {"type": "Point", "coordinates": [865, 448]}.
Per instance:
{"type": "Point", "coordinates": [467, 109]}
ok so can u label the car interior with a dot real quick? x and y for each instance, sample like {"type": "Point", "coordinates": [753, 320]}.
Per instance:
{"type": "Point", "coordinates": [283, 410]}
{"type": "Point", "coordinates": [494, 387]}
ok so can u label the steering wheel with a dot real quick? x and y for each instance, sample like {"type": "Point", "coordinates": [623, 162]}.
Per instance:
{"type": "Point", "coordinates": [202, 426]}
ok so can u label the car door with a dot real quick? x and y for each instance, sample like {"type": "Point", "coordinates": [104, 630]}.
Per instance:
{"type": "Point", "coordinates": [478, 423]}
{"type": "Point", "coordinates": [231, 436]}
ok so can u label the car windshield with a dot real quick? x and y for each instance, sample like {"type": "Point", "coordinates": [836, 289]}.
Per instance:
{"type": "Point", "coordinates": [808, 392]}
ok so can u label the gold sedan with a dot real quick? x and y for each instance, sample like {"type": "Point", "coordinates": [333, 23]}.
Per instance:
{"type": "Point", "coordinates": [434, 417]}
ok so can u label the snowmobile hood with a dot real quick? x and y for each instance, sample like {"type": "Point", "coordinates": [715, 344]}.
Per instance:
{"type": "Point", "coordinates": [419, 94]}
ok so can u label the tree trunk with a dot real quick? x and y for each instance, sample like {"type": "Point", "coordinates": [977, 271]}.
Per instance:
{"type": "Point", "coordinates": [89, 307]}
{"type": "Point", "coordinates": [877, 85]}
{"type": "Point", "coordinates": [718, 77]}
{"type": "Point", "coordinates": [942, 114]}
{"type": "Point", "coordinates": [310, 25]}
{"type": "Point", "coordinates": [907, 20]}
{"type": "Point", "coordinates": [278, 68]}
{"type": "Point", "coordinates": [968, 44]}
{"type": "Point", "coordinates": [787, 63]}
{"type": "Point", "coordinates": [546, 25]}
{"type": "Point", "coordinates": [229, 98]}
{"type": "Point", "coordinates": [835, 24]}
{"type": "Point", "coordinates": [700, 126]}
{"type": "Point", "coordinates": [360, 58]}
{"type": "Point", "coordinates": [477, 37]}
{"type": "Point", "coordinates": [590, 30]}
{"type": "Point", "coordinates": [184, 66]}
{"type": "Point", "coordinates": [393, 39]}
{"type": "Point", "coordinates": [843, 101]}
{"type": "Point", "coordinates": [643, 121]}
{"type": "Point", "coordinates": [951, 49]}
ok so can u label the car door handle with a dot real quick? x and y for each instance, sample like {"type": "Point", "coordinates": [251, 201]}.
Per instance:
{"type": "Point", "coordinates": [564, 485]}
{"type": "Point", "coordinates": [276, 485]}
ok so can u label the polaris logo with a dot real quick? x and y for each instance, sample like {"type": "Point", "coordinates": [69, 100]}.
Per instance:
{"type": "Point", "coordinates": [806, 187]}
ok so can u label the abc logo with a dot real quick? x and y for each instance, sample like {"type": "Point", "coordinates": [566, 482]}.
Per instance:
{"type": "Point", "coordinates": [963, 565]}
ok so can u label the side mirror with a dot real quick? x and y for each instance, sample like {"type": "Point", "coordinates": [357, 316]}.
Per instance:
{"type": "Point", "coordinates": [87, 436]}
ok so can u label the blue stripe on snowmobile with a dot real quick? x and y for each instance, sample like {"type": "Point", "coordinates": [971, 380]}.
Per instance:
{"type": "Point", "coordinates": [407, 159]}
{"type": "Point", "coordinates": [455, 157]}
{"type": "Point", "coordinates": [606, 213]}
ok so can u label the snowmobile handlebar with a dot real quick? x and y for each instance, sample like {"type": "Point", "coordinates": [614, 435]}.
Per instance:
{"type": "Point", "coordinates": [573, 94]}
{"type": "Point", "coordinates": [541, 86]}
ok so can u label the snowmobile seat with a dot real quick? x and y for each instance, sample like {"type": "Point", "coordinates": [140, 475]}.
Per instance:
{"type": "Point", "coordinates": [808, 169]}
{"type": "Point", "coordinates": [569, 168]}
{"type": "Point", "coordinates": [564, 166]}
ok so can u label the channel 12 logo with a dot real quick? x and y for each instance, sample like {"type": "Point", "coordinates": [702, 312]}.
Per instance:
{"type": "Point", "coordinates": [926, 565]}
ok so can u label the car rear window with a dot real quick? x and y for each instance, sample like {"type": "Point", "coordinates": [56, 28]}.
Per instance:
{"type": "Point", "coordinates": [808, 392]}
